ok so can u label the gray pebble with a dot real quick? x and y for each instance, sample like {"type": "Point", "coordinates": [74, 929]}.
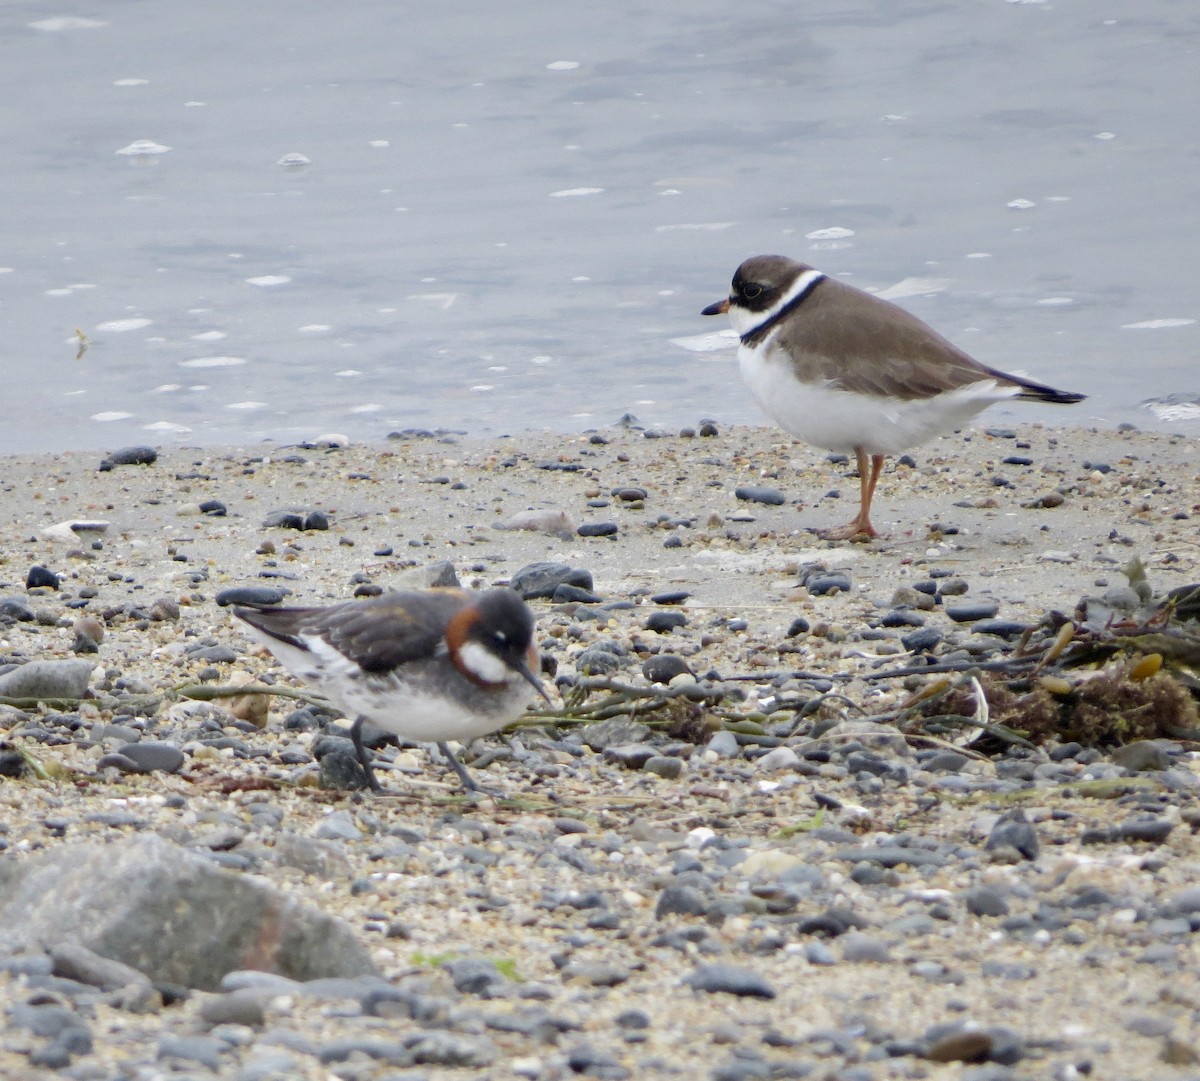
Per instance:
{"type": "Point", "coordinates": [680, 900]}
{"type": "Point", "coordinates": [630, 755]}
{"type": "Point", "coordinates": [857, 946]}
{"type": "Point", "coordinates": [595, 661]}
{"type": "Point", "coordinates": [48, 679]}
{"type": "Point", "coordinates": [985, 901]}
{"type": "Point", "coordinates": [724, 743]}
{"type": "Point", "coordinates": [922, 640]}
{"type": "Point", "coordinates": [664, 622]}
{"type": "Point", "coordinates": [760, 493]}
{"type": "Point", "coordinates": [129, 456]}
{"type": "Point", "coordinates": [75, 961]}
{"type": "Point", "coordinates": [664, 667]}
{"type": "Point", "coordinates": [337, 826]}
{"type": "Point", "coordinates": [1014, 832]}
{"type": "Point", "coordinates": [665, 766]}
{"type": "Point", "coordinates": [730, 979]}
{"type": "Point", "coordinates": [780, 758]}
{"type": "Point", "coordinates": [540, 579]}
{"type": "Point", "coordinates": [822, 585]}
{"type": "Point", "coordinates": [254, 596]}
{"type": "Point", "coordinates": [202, 1049]}
{"type": "Point", "coordinates": [597, 529]}
{"type": "Point", "coordinates": [1001, 628]}
{"type": "Point", "coordinates": [1143, 755]}
{"type": "Point", "coordinates": [235, 1008]}
{"type": "Point", "coordinates": [969, 613]}
{"type": "Point", "coordinates": [150, 756]}
{"type": "Point", "coordinates": [818, 953]}
{"type": "Point", "coordinates": [596, 973]}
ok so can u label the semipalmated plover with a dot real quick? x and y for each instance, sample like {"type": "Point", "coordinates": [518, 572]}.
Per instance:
{"type": "Point", "coordinates": [848, 371]}
{"type": "Point", "coordinates": [429, 666]}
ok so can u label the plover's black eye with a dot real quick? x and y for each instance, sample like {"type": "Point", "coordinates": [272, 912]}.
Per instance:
{"type": "Point", "coordinates": [751, 290]}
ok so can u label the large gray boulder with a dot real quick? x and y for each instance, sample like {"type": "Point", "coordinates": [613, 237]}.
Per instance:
{"type": "Point", "coordinates": [170, 914]}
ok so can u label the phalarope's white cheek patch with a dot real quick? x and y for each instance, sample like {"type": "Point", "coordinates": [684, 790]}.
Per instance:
{"type": "Point", "coordinates": [483, 664]}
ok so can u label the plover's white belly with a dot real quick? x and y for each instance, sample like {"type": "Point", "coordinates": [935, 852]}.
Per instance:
{"type": "Point", "coordinates": [841, 420]}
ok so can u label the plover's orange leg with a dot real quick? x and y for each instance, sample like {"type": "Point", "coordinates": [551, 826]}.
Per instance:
{"type": "Point", "coordinates": [869, 468]}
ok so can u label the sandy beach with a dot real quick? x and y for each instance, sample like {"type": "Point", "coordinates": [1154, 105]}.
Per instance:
{"type": "Point", "coordinates": [620, 904]}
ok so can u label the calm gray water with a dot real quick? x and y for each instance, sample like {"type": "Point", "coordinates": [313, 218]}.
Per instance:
{"type": "Point", "coordinates": [512, 213]}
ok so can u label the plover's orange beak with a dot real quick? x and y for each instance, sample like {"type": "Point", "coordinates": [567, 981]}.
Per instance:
{"type": "Point", "coordinates": [720, 308]}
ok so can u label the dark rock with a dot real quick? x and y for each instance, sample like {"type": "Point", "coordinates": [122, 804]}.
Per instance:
{"type": "Point", "coordinates": [798, 626]}
{"type": "Point", "coordinates": [475, 976]}
{"type": "Point", "coordinates": [104, 896]}
{"type": "Point", "coordinates": [1001, 628]}
{"type": "Point", "coordinates": [664, 766]}
{"type": "Point", "coordinates": [984, 901]}
{"type": "Point", "coordinates": [969, 613]}
{"type": "Point", "coordinates": [821, 585]}
{"type": "Point", "coordinates": [567, 593]}
{"type": "Point", "coordinates": [540, 579]}
{"type": "Point", "coordinates": [129, 456]}
{"type": "Point", "coordinates": [150, 756]}
{"type": "Point", "coordinates": [596, 661]}
{"type": "Point", "coordinates": [965, 1045]}
{"type": "Point", "coordinates": [284, 519]}
{"type": "Point", "coordinates": [252, 596]}
{"type": "Point", "coordinates": [922, 640]}
{"type": "Point", "coordinates": [316, 519]}
{"type": "Point", "coordinates": [665, 622]}
{"type": "Point", "coordinates": [41, 578]}
{"type": "Point", "coordinates": [902, 617]}
{"type": "Point", "coordinates": [214, 508]}
{"type": "Point", "coordinates": [15, 610]}
{"type": "Point", "coordinates": [1013, 831]}
{"type": "Point", "coordinates": [664, 667]}
{"type": "Point", "coordinates": [673, 596]}
{"type": "Point", "coordinates": [731, 980]}
{"type": "Point", "coordinates": [630, 755]}
{"type": "Point", "coordinates": [945, 762]}
{"type": "Point", "coordinates": [759, 493]}
{"type": "Point", "coordinates": [597, 529]}
{"type": "Point", "coordinates": [680, 900]}
{"type": "Point", "coordinates": [220, 654]}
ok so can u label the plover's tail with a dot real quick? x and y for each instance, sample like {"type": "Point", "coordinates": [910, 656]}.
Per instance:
{"type": "Point", "coordinates": [1032, 391]}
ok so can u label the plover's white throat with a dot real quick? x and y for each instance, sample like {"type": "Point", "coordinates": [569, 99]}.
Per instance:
{"type": "Point", "coordinates": [429, 666]}
{"type": "Point", "coordinates": [845, 370]}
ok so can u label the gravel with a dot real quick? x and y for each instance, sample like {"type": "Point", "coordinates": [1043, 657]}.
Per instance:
{"type": "Point", "coordinates": [804, 892]}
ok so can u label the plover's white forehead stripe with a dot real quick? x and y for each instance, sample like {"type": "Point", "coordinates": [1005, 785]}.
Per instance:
{"type": "Point", "coordinates": [755, 321]}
